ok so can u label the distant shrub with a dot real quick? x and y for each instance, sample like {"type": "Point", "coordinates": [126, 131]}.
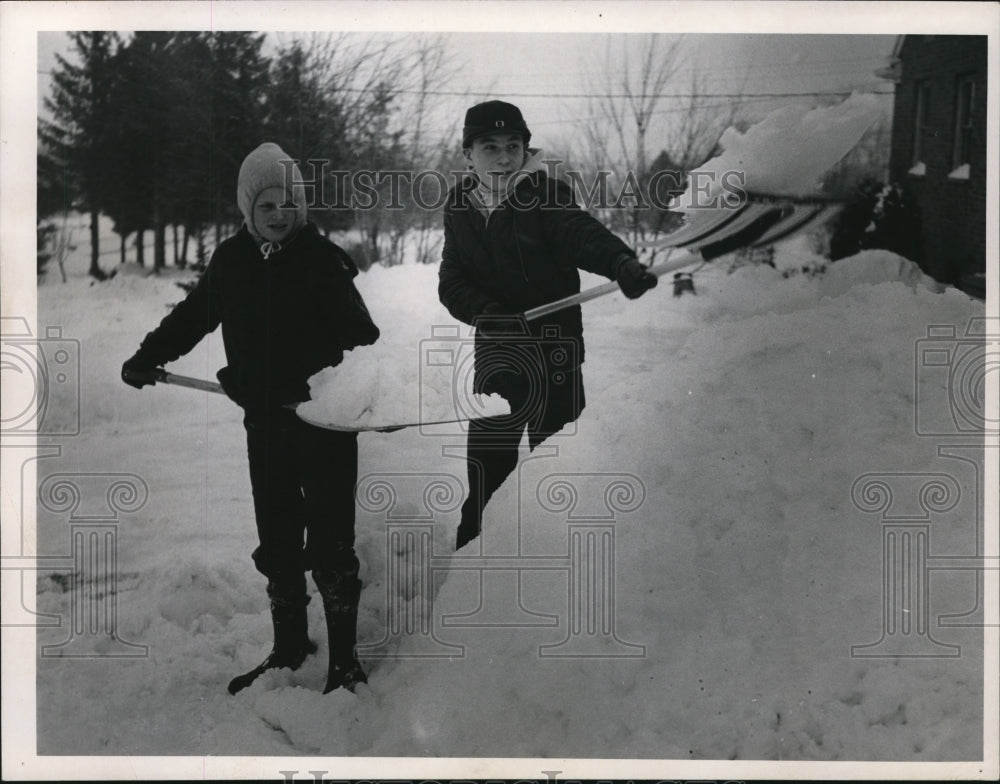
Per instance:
{"type": "Point", "coordinates": [811, 269]}
{"type": "Point", "coordinates": [878, 216]}
{"type": "Point", "coordinates": [753, 257]}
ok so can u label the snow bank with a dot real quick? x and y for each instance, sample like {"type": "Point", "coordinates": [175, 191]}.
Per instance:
{"type": "Point", "coordinates": [691, 542]}
{"type": "Point", "coordinates": [743, 571]}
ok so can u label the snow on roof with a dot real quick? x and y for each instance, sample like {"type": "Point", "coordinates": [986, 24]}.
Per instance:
{"type": "Point", "coordinates": [893, 71]}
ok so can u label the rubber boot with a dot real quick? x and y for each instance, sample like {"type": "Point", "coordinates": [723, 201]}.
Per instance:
{"type": "Point", "coordinates": [490, 460]}
{"type": "Point", "coordinates": [341, 591]}
{"type": "Point", "coordinates": [470, 523]}
{"type": "Point", "coordinates": [291, 640]}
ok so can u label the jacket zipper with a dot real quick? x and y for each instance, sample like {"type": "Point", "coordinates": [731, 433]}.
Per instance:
{"type": "Point", "coordinates": [487, 214]}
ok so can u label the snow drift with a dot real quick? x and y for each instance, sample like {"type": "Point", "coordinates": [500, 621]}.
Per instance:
{"type": "Point", "coordinates": [714, 462]}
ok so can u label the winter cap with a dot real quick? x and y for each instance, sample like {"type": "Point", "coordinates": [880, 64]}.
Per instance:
{"type": "Point", "coordinates": [493, 117]}
{"type": "Point", "coordinates": [267, 167]}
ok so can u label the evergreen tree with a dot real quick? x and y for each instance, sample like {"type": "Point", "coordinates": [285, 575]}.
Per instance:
{"type": "Point", "coordinates": [51, 199]}
{"type": "Point", "coordinates": [131, 132]}
{"type": "Point", "coordinates": [186, 108]}
{"type": "Point", "coordinates": [306, 118]}
{"type": "Point", "coordinates": [229, 124]}
{"type": "Point", "coordinates": [220, 81]}
{"type": "Point", "coordinates": [77, 136]}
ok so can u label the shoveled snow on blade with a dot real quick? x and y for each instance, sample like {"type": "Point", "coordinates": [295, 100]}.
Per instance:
{"type": "Point", "coordinates": [384, 385]}
{"type": "Point", "coordinates": [407, 376]}
{"type": "Point", "coordinates": [785, 153]}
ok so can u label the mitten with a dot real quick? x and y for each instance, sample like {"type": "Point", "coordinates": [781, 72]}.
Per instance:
{"type": "Point", "coordinates": [137, 372]}
{"type": "Point", "coordinates": [496, 322]}
{"type": "Point", "coordinates": [634, 279]}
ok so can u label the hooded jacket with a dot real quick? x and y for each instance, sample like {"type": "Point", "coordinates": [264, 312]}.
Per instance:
{"type": "Point", "coordinates": [524, 253]}
{"type": "Point", "coordinates": [283, 319]}
{"type": "Point", "coordinates": [288, 309]}
{"type": "Point", "coordinates": [268, 166]}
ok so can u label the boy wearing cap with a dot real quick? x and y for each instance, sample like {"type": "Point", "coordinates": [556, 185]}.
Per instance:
{"type": "Point", "coordinates": [515, 239]}
{"type": "Point", "coordinates": [288, 307]}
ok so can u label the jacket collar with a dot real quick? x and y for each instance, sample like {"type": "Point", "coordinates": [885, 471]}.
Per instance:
{"type": "Point", "coordinates": [486, 202]}
{"type": "Point", "coordinates": [268, 248]}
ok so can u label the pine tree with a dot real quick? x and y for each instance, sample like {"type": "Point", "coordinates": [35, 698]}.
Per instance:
{"type": "Point", "coordinates": [130, 129]}
{"type": "Point", "coordinates": [230, 123]}
{"type": "Point", "coordinates": [306, 118]}
{"type": "Point", "coordinates": [77, 137]}
{"type": "Point", "coordinates": [52, 199]}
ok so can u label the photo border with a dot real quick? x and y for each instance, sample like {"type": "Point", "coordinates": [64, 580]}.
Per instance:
{"type": "Point", "coordinates": [21, 22]}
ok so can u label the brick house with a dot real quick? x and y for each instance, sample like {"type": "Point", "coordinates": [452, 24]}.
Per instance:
{"type": "Point", "coordinates": [938, 152]}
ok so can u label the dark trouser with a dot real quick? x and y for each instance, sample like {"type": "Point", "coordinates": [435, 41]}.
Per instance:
{"type": "Point", "coordinates": [303, 479]}
{"type": "Point", "coordinates": [492, 444]}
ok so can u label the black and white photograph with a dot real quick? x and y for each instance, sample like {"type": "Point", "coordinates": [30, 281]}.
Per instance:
{"type": "Point", "coordinates": [505, 390]}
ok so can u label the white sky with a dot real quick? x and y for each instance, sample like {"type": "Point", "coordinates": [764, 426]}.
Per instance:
{"type": "Point", "coordinates": [509, 66]}
{"type": "Point", "coordinates": [556, 66]}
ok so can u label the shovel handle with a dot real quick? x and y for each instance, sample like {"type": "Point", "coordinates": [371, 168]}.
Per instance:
{"type": "Point", "coordinates": [659, 269]}
{"type": "Point", "coordinates": [187, 381]}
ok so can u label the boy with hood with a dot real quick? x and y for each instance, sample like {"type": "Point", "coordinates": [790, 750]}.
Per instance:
{"type": "Point", "coordinates": [515, 239]}
{"type": "Point", "coordinates": [288, 307]}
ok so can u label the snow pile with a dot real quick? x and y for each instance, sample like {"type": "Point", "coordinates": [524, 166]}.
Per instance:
{"type": "Point", "coordinates": [738, 419]}
{"type": "Point", "coordinates": [875, 266]}
{"type": "Point", "coordinates": [832, 279]}
{"type": "Point", "coordinates": [785, 153]}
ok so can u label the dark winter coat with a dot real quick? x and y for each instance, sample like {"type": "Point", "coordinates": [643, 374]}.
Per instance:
{"type": "Point", "coordinates": [283, 319]}
{"type": "Point", "coordinates": [527, 253]}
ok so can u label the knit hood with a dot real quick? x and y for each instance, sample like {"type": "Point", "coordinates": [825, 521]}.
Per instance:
{"type": "Point", "coordinates": [262, 169]}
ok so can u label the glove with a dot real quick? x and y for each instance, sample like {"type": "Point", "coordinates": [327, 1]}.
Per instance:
{"type": "Point", "coordinates": [494, 322]}
{"type": "Point", "coordinates": [634, 279]}
{"type": "Point", "coordinates": [138, 373]}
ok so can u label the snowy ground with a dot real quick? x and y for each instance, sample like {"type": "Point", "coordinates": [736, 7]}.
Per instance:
{"type": "Point", "coordinates": [714, 464]}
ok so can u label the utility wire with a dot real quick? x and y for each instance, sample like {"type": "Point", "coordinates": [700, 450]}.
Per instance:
{"type": "Point", "coordinates": [466, 93]}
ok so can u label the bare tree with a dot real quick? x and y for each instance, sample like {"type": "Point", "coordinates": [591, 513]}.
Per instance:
{"type": "Point", "coordinates": [369, 79]}
{"type": "Point", "coordinates": [646, 116]}
{"type": "Point", "coordinates": [430, 68]}
{"type": "Point", "coordinates": [628, 92]}
{"type": "Point", "coordinates": [386, 87]}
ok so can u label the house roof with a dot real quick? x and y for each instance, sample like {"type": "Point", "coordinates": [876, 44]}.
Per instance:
{"type": "Point", "coordinates": [898, 47]}
{"type": "Point", "coordinates": [894, 70]}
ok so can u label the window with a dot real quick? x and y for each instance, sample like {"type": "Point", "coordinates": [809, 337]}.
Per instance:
{"type": "Point", "coordinates": [965, 97]}
{"type": "Point", "coordinates": [922, 96]}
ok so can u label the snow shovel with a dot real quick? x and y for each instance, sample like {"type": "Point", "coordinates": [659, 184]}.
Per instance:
{"type": "Point", "coordinates": [163, 377]}
{"type": "Point", "coordinates": [761, 220]}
